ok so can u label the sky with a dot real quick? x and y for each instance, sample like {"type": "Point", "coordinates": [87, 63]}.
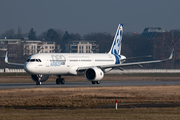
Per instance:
{"type": "Point", "coordinates": [86, 16]}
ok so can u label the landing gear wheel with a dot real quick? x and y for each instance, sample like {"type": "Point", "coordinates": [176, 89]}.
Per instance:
{"type": "Point", "coordinates": [98, 82]}
{"type": "Point", "coordinates": [38, 83]}
{"type": "Point", "coordinates": [58, 81]}
{"type": "Point", "coordinates": [93, 82]}
{"type": "Point", "coordinates": [62, 81]}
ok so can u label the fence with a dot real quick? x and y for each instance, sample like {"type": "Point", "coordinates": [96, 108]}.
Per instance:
{"type": "Point", "coordinates": [126, 71]}
{"type": "Point", "coordinates": [7, 70]}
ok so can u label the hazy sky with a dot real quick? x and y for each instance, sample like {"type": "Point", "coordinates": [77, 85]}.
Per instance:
{"type": "Point", "coordinates": [85, 16]}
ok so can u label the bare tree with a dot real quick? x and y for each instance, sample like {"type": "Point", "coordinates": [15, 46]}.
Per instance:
{"type": "Point", "coordinates": [9, 34]}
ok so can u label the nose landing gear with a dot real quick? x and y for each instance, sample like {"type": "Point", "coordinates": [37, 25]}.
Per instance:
{"type": "Point", "coordinates": [39, 80]}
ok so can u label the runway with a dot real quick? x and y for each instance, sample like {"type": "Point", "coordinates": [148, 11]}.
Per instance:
{"type": "Point", "coordinates": [86, 84]}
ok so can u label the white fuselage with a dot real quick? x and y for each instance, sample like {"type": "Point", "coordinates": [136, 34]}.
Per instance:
{"type": "Point", "coordinates": [67, 63]}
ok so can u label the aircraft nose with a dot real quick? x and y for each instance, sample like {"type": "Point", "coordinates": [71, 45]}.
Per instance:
{"type": "Point", "coordinates": [29, 68]}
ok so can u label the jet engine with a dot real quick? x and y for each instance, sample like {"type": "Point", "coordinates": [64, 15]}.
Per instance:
{"type": "Point", "coordinates": [94, 74]}
{"type": "Point", "coordinates": [43, 78]}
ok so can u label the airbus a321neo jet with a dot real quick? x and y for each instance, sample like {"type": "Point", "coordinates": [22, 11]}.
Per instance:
{"type": "Point", "coordinates": [93, 65]}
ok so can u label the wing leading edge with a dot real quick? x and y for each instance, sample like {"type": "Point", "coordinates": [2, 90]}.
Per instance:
{"type": "Point", "coordinates": [128, 64]}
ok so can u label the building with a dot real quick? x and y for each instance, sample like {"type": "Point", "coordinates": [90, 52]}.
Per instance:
{"type": "Point", "coordinates": [82, 47]}
{"type": "Point", "coordinates": [152, 32]}
{"type": "Point", "coordinates": [32, 47]}
{"type": "Point", "coordinates": [17, 47]}
{"type": "Point", "coordinates": [162, 47]}
{"type": "Point", "coordinates": [12, 45]}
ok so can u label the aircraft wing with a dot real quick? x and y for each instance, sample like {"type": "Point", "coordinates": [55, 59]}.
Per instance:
{"type": "Point", "coordinates": [130, 58]}
{"type": "Point", "coordinates": [128, 64]}
{"type": "Point", "coordinates": [6, 61]}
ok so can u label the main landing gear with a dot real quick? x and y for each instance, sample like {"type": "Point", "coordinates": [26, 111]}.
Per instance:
{"type": "Point", "coordinates": [96, 82]}
{"type": "Point", "coordinates": [60, 80]}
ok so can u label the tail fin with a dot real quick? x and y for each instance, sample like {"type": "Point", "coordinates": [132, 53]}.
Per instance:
{"type": "Point", "coordinates": [116, 46]}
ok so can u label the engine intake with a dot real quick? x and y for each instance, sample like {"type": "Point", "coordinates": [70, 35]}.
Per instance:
{"type": "Point", "coordinates": [94, 74]}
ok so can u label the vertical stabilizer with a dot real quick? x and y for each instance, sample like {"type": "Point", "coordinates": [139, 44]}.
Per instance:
{"type": "Point", "coordinates": [116, 46]}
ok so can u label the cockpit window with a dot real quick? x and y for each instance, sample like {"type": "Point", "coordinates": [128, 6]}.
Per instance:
{"type": "Point", "coordinates": [38, 60]}
{"type": "Point", "coordinates": [33, 60]}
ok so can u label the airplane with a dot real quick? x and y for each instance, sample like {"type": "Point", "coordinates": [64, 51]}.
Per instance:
{"type": "Point", "coordinates": [93, 65]}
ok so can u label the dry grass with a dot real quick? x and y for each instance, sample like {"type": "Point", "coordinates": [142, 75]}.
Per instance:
{"type": "Point", "coordinates": [88, 97]}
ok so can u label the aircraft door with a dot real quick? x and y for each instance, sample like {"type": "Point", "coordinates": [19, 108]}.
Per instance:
{"type": "Point", "coordinates": [67, 63]}
{"type": "Point", "coordinates": [47, 61]}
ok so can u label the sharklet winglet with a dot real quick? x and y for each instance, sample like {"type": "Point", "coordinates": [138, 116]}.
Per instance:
{"type": "Point", "coordinates": [6, 61]}
{"type": "Point", "coordinates": [6, 57]}
{"type": "Point", "coordinates": [170, 57]}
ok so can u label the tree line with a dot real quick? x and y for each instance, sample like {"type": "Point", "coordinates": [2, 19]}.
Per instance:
{"type": "Point", "coordinates": [132, 44]}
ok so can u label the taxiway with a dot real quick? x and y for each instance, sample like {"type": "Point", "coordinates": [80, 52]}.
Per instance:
{"type": "Point", "coordinates": [86, 84]}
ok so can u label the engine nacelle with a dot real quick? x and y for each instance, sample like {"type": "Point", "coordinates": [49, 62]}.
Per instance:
{"type": "Point", "coordinates": [43, 78]}
{"type": "Point", "coordinates": [94, 74]}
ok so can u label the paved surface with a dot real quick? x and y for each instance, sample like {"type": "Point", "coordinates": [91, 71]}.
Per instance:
{"type": "Point", "coordinates": [87, 84]}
